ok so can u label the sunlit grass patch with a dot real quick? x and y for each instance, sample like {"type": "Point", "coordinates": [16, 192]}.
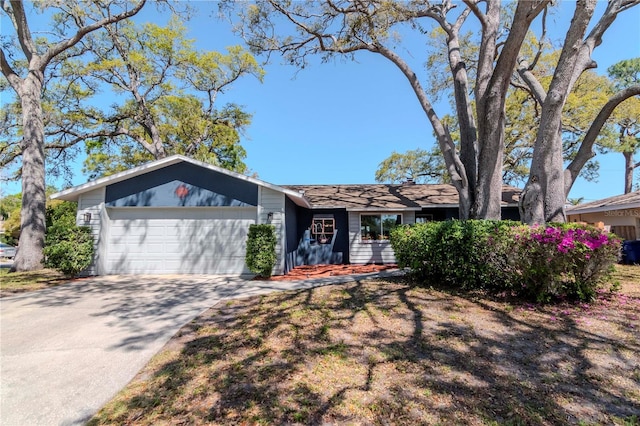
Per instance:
{"type": "Point", "coordinates": [20, 282]}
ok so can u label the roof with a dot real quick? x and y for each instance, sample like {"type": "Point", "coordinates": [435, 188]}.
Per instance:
{"type": "Point", "coordinates": [618, 202]}
{"type": "Point", "coordinates": [389, 197]}
{"type": "Point", "coordinates": [351, 197]}
{"type": "Point", "coordinates": [72, 194]}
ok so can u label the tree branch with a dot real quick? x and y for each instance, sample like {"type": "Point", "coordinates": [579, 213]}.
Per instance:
{"type": "Point", "coordinates": [70, 42]}
{"type": "Point", "coordinates": [585, 153]}
{"type": "Point", "coordinates": [13, 78]}
{"type": "Point", "coordinates": [19, 20]}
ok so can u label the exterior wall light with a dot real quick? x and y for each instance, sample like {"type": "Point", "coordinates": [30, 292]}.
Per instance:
{"type": "Point", "coordinates": [87, 217]}
{"type": "Point", "coordinates": [270, 216]}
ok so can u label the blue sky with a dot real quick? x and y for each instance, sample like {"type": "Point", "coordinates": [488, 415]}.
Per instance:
{"type": "Point", "coordinates": [335, 122]}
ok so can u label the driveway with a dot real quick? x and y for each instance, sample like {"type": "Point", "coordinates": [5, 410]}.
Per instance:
{"type": "Point", "coordinates": [66, 351]}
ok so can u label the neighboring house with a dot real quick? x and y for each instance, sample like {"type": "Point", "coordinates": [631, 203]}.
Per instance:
{"type": "Point", "coordinates": [619, 214]}
{"type": "Point", "coordinates": [178, 215]}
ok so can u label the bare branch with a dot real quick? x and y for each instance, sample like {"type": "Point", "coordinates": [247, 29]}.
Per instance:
{"type": "Point", "coordinates": [9, 73]}
{"type": "Point", "coordinates": [83, 31]}
{"type": "Point", "coordinates": [585, 153]}
{"type": "Point", "coordinates": [19, 21]}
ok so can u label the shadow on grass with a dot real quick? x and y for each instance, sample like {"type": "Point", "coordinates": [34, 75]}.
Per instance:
{"type": "Point", "coordinates": [390, 353]}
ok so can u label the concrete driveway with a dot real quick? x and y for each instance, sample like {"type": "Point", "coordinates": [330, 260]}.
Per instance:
{"type": "Point", "coordinates": [66, 351]}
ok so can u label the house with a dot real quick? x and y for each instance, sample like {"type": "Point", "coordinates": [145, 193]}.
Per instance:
{"type": "Point", "coordinates": [619, 214]}
{"type": "Point", "coordinates": [181, 216]}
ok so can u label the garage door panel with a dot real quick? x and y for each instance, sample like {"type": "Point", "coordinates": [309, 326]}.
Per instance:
{"type": "Point", "coordinates": [199, 241]}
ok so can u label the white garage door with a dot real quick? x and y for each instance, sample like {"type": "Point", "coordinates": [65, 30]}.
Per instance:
{"type": "Point", "coordinates": [178, 240]}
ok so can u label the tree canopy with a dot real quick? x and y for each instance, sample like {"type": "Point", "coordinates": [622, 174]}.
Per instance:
{"type": "Point", "coordinates": [26, 63]}
{"type": "Point", "coordinates": [300, 30]}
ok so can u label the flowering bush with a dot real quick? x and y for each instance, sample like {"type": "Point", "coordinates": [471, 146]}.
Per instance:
{"type": "Point", "coordinates": [562, 260]}
{"type": "Point", "coordinates": [543, 263]}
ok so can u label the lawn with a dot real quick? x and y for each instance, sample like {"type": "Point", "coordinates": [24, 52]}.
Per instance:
{"type": "Point", "coordinates": [388, 352]}
{"type": "Point", "coordinates": [20, 282]}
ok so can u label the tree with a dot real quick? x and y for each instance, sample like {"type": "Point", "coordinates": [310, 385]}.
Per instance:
{"type": "Point", "coordinates": [334, 28]}
{"type": "Point", "coordinates": [417, 165]}
{"type": "Point", "coordinates": [26, 75]}
{"type": "Point", "coordinates": [627, 117]}
{"type": "Point", "coordinates": [544, 195]}
{"type": "Point", "coordinates": [10, 215]}
{"type": "Point", "coordinates": [331, 28]}
{"type": "Point", "coordinates": [521, 126]}
{"type": "Point", "coordinates": [168, 92]}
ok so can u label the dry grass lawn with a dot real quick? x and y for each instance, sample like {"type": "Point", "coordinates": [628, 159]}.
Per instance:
{"type": "Point", "coordinates": [389, 352]}
{"type": "Point", "coordinates": [21, 282]}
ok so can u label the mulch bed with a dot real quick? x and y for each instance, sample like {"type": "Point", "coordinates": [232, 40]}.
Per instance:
{"type": "Point", "coordinates": [320, 271]}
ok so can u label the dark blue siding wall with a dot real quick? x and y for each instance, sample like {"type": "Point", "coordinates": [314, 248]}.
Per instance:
{"type": "Point", "coordinates": [510, 213]}
{"type": "Point", "coordinates": [182, 184]}
{"type": "Point", "coordinates": [304, 252]}
{"type": "Point", "coordinates": [446, 213]}
{"type": "Point", "coordinates": [291, 215]}
{"type": "Point", "coordinates": [341, 244]}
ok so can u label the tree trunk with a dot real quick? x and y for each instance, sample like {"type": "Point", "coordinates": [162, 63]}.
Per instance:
{"type": "Point", "coordinates": [455, 168]}
{"type": "Point", "coordinates": [543, 198]}
{"type": "Point", "coordinates": [628, 171]}
{"type": "Point", "coordinates": [468, 130]}
{"type": "Point", "coordinates": [490, 101]}
{"type": "Point", "coordinates": [30, 255]}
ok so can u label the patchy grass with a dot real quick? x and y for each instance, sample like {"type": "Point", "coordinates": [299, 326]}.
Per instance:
{"type": "Point", "coordinates": [388, 352]}
{"type": "Point", "coordinates": [20, 282]}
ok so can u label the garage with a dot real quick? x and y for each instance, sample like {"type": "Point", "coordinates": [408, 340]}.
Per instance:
{"type": "Point", "coordinates": [177, 215]}
{"type": "Point", "coordinates": [197, 240]}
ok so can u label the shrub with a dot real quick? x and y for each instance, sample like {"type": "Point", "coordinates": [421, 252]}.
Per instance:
{"type": "Point", "coordinates": [468, 254]}
{"type": "Point", "coordinates": [563, 260]}
{"type": "Point", "coordinates": [71, 252]}
{"type": "Point", "coordinates": [68, 248]}
{"type": "Point", "coordinates": [542, 263]}
{"type": "Point", "coordinates": [261, 249]}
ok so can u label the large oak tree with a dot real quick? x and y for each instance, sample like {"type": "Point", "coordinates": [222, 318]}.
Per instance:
{"type": "Point", "coordinates": [24, 69]}
{"type": "Point", "coordinates": [328, 28]}
{"type": "Point", "coordinates": [167, 99]}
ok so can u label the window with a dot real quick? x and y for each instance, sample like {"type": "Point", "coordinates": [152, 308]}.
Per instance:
{"type": "Point", "coordinates": [322, 229]}
{"type": "Point", "coordinates": [378, 226]}
{"type": "Point", "coordinates": [424, 218]}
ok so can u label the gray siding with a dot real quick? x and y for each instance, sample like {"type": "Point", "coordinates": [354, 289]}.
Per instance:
{"type": "Point", "coordinates": [376, 251]}
{"type": "Point", "coordinates": [270, 201]}
{"type": "Point", "coordinates": [93, 202]}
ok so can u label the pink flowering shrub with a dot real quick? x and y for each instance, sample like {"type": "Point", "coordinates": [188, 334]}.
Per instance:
{"type": "Point", "coordinates": [562, 260]}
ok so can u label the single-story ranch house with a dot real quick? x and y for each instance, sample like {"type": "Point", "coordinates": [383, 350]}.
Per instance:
{"type": "Point", "coordinates": [181, 216]}
{"type": "Point", "coordinates": [619, 214]}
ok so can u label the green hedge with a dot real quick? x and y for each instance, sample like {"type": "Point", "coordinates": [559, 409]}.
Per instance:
{"type": "Point", "coordinates": [261, 249]}
{"type": "Point", "coordinates": [558, 261]}
{"type": "Point", "coordinates": [68, 248]}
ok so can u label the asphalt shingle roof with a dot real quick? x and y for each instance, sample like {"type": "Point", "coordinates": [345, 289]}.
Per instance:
{"type": "Point", "coordinates": [631, 199]}
{"type": "Point", "coordinates": [388, 196]}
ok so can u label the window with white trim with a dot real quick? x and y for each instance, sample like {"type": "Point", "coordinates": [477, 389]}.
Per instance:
{"type": "Point", "coordinates": [377, 227]}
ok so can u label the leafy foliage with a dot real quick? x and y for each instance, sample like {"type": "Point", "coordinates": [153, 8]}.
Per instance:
{"type": "Point", "coordinates": [169, 89]}
{"type": "Point", "coordinates": [68, 248]}
{"type": "Point", "coordinates": [563, 260]}
{"type": "Point", "coordinates": [540, 263]}
{"type": "Point", "coordinates": [261, 249]}
{"type": "Point", "coordinates": [469, 254]}
{"type": "Point", "coordinates": [418, 164]}
{"type": "Point", "coordinates": [10, 214]}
